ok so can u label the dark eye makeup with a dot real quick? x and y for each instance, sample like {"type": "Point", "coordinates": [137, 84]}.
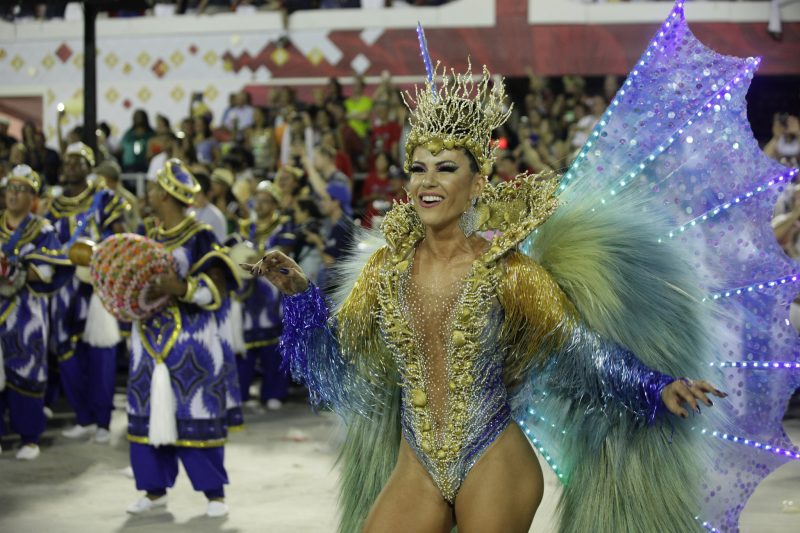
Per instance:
{"type": "Point", "coordinates": [447, 167]}
{"type": "Point", "coordinates": [444, 166]}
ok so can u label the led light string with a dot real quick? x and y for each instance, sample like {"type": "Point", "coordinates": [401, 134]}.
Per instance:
{"type": "Point", "coordinates": [714, 211]}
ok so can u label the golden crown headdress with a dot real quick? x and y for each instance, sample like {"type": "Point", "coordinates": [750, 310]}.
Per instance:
{"type": "Point", "coordinates": [27, 175]}
{"type": "Point", "coordinates": [457, 112]}
{"type": "Point", "coordinates": [178, 181]}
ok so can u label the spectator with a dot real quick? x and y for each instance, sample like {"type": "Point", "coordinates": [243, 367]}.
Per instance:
{"type": "Point", "coordinates": [134, 143]}
{"type": "Point", "coordinates": [296, 236]}
{"type": "Point", "coordinates": [785, 142]}
{"type": "Point", "coordinates": [110, 172]}
{"type": "Point", "coordinates": [6, 140]}
{"type": "Point", "coordinates": [381, 188]}
{"type": "Point", "coordinates": [333, 91]}
{"type": "Point", "coordinates": [349, 141]}
{"type": "Point", "coordinates": [239, 116]}
{"type": "Point", "coordinates": [44, 160]}
{"type": "Point", "coordinates": [289, 182]}
{"type": "Point", "coordinates": [330, 139]}
{"type": "Point", "coordinates": [358, 107]}
{"type": "Point", "coordinates": [18, 155]}
{"type": "Point", "coordinates": [221, 195]}
{"type": "Point", "coordinates": [205, 211]}
{"type": "Point", "coordinates": [167, 151]}
{"type": "Point", "coordinates": [205, 145]}
{"type": "Point", "coordinates": [162, 137]}
{"type": "Point", "coordinates": [385, 133]}
{"type": "Point", "coordinates": [338, 239]}
{"type": "Point", "coordinates": [299, 130]}
{"type": "Point", "coordinates": [323, 170]}
{"type": "Point", "coordinates": [260, 140]}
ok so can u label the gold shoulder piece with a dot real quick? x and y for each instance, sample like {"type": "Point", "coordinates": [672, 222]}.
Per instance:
{"type": "Point", "coordinates": [538, 314]}
{"type": "Point", "coordinates": [516, 208]}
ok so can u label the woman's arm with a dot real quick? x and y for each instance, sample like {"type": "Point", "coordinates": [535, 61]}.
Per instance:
{"type": "Point", "coordinates": [338, 356]}
{"type": "Point", "coordinates": [544, 331]}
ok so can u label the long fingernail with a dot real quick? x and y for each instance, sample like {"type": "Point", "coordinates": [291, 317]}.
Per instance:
{"type": "Point", "coordinates": [283, 271]}
{"type": "Point", "coordinates": [697, 410]}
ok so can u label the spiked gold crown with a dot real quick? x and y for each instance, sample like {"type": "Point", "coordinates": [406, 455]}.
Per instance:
{"type": "Point", "coordinates": [455, 111]}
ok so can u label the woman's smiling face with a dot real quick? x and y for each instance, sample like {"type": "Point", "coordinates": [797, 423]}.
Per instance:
{"type": "Point", "coordinates": [442, 185]}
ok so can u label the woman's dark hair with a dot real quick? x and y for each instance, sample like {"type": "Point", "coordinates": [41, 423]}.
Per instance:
{"type": "Point", "coordinates": [145, 119]}
{"type": "Point", "coordinates": [473, 163]}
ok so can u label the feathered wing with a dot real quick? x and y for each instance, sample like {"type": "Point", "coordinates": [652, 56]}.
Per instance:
{"type": "Point", "coordinates": [371, 446]}
{"type": "Point", "coordinates": [664, 245]}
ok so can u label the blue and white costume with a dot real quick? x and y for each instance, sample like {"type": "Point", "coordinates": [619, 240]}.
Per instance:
{"type": "Point", "coordinates": [23, 317]}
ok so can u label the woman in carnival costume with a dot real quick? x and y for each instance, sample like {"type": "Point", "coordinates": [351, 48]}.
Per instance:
{"type": "Point", "coordinates": [32, 267]}
{"type": "Point", "coordinates": [650, 259]}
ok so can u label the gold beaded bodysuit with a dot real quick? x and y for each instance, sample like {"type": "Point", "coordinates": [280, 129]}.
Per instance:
{"type": "Point", "coordinates": [448, 341]}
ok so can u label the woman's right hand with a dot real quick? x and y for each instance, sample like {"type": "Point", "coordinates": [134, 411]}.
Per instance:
{"type": "Point", "coordinates": [280, 270]}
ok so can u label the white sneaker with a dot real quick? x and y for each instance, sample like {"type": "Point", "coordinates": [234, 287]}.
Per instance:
{"type": "Point", "coordinates": [145, 504]}
{"type": "Point", "coordinates": [29, 452]}
{"type": "Point", "coordinates": [216, 509]}
{"type": "Point", "coordinates": [77, 431]}
{"type": "Point", "coordinates": [103, 436]}
{"type": "Point", "coordinates": [274, 404]}
{"type": "Point", "coordinates": [127, 472]}
{"type": "Point", "coordinates": [48, 413]}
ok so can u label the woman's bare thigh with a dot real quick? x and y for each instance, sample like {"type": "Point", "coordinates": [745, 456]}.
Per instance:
{"type": "Point", "coordinates": [503, 490]}
{"type": "Point", "coordinates": [410, 501]}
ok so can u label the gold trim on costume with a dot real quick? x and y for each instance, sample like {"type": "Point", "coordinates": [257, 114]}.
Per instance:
{"type": "Point", "coordinates": [68, 206]}
{"type": "Point", "coordinates": [261, 344]}
{"type": "Point", "coordinates": [160, 357]}
{"type": "Point", "coordinates": [191, 288]}
{"type": "Point", "coordinates": [216, 296]}
{"type": "Point", "coordinates": [24, 392]}
{"type": "Point", "coordinates": [12, 304]}
{"type": "Point", "coordinates": [32, 230]}
{"type": "Point", "coordinates": [183, 443]}
{"type": "Point", "coordinates": [69, 353]}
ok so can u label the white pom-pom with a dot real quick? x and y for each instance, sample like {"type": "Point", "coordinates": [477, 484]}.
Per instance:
{"type": "Point", "coordinates": [163, 424]}
{"type": "Point", "coordinates": [237, 327]}
{"type": "Point", "coordinates": [102, 329]}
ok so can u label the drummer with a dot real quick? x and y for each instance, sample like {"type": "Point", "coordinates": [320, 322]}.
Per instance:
{"type": "Point", "coordinates": [261, 304]}
{"type": "Point", "coordinates": [31, 267]}
{"type": "Point", "coordinates": [177, 389]}
{"type": "Point", "coordinates": [84, 335]}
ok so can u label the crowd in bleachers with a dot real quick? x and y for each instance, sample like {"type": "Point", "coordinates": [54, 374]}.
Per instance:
{"type": "Point", "coordinates": [355, 140]}
{"type": "Point", "coordinates": [56, 9]}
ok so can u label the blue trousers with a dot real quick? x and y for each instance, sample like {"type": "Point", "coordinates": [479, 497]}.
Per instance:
{"type": "Point", "coordinates": [274, 381]}
{"type": "Point", "coordinates": [26, 414]}
{"type": "Point", "coordinates": [156, 468]}
{"type": "Point", "coordinates": [88, 382]}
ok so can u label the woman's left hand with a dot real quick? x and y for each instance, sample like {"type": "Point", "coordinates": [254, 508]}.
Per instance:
{"type": "Point", "coordinates": [686, 391]}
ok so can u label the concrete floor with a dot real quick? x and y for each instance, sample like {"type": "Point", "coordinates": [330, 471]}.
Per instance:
{"type": "Point", "coordinates": [283, 481]}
